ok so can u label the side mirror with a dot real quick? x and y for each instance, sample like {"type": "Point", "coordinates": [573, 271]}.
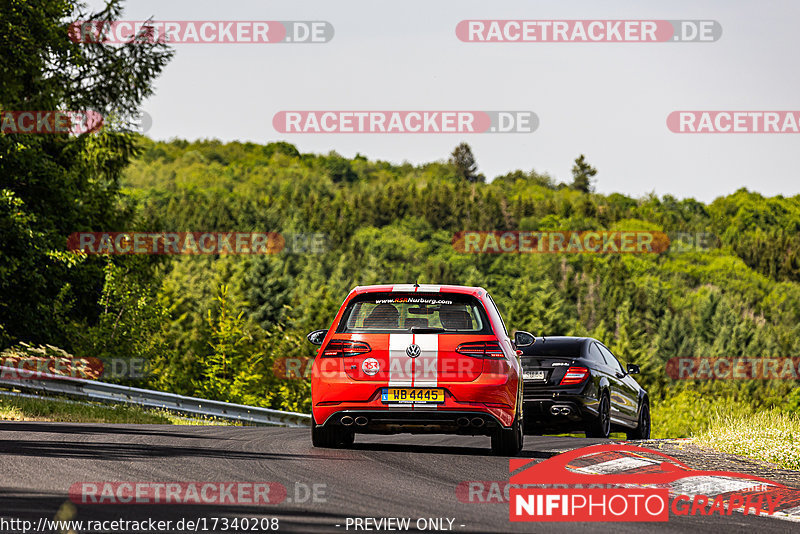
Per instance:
{"type": "Point", "coordinates": [317, 337]}
{"type": "Point", "coordinates": [633, 369]}
{"type": "Point", "coordinates": [523, 339]}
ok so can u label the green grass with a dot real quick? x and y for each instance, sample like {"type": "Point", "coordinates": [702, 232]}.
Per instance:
{"type": "Point", "coordinates": [687, 413]}
{"type": "Point", "coordinates": [772, 436]}
{"type": "Point", "coordinates": [57, 410]}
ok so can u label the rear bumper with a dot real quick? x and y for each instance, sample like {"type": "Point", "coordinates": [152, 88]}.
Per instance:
{"type": "Point", "coordinates": [561, 412]}
{"type": "Point", "coordinates": [466, 422]}
{"type": "Point", "coordinates": [488, 396]}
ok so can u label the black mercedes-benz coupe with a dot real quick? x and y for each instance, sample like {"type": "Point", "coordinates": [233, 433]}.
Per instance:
{"type": "Point", "coordinates": [576, 383]}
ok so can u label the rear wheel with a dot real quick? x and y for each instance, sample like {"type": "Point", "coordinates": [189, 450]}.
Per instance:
{"type": "Point", "coordinates": [346, 438]}
{"type": "Point", "coordinates": [330, 437]}
{"type": "Point", "coordinates": [601, 426]}
{"type": "Point", "coordinates": [643, 430]}
{"type": "Point", "coordinates": [508, 442]}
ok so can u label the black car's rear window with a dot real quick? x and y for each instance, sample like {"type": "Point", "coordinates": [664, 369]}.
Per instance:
{"type": "Point", "coordinates": [555, 348]}
{"type": "Point", "coordinates": [415, 312]}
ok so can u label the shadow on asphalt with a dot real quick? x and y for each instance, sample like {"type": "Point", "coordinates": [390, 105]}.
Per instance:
{"type": "Point", "coordinates": [102, 428]}
{"type": "Point", "coordinates": [429, 449]}
{"type": "Point", "coordinates": [443, 449]}
{"type": "Point", "coordinates": [130, 451]}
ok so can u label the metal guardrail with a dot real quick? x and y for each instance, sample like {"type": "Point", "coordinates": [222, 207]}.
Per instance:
{"type": "Point", "coordinates": [102, 391]}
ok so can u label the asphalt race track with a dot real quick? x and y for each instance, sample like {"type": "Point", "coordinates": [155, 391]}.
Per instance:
{"type": "Point", "coordinates": [382, 476]}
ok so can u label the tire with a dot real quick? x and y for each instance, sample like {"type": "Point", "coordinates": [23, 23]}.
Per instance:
{"type": "Point", "coordinates": [643, 430]}
{"type": "Point", "coordinates": [320, 436]}
{"type": "Point", "coordinates": [508, 441]}
{"type": "Point", "coordinates": [331, 437]}
{"type": "Point", "coordinates": [601, 426]}
{"type": "Point", "coordinates": [346, 438]}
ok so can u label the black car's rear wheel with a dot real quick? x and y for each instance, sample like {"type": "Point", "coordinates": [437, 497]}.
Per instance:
{"type": "Point", "coordinates": [643, 430]}
{"type": "Point", "coordinates": [600, 427]}
{"type": "Point", "coordinates": [508, 442]}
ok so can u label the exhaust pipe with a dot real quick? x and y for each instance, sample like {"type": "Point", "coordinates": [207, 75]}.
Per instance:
{"type": "Point", "coordinates": [347, 420]}
{"type": "Point", "coordinates": [477, 421]}
{"type": "Point", "coordinates": [361, 420]}
{"type": "Point", "coordinates": [560, 410]}
{"type": "Point", "coordinates": [462, 421]}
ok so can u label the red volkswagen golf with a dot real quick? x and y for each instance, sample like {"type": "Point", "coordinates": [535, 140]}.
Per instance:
{"type": "Point", "coordinates": [417, 359]}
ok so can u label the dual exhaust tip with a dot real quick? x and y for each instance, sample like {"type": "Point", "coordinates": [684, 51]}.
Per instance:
{"type": "Point", "coordinates": [476, 422]}
{"type": "Point", "coordinates": [349, 421]}
{"type": "Point", "coordinates": [560, 410]}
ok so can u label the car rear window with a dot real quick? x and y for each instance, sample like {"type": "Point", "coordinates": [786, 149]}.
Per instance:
{"type": "Point", "coordinates": [555, 348]}
{"type": "Point", "coordinates": [415, 312]}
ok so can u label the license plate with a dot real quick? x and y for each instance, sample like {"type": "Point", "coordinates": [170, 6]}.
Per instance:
{"type": "Point", "coordinates": [533, 375]}
{"type": "Point", "coordinates": [432, 395]}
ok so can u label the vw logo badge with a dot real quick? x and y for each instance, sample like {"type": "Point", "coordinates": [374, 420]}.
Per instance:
{"type": "Point", "coordinates": [413, 350]}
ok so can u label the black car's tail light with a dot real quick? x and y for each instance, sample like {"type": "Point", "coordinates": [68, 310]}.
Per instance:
{"type": "Point", "coordinates": [481, 349]}
{"type": "Point", "coordinates": [340, 348]}
{"type": "Point", "coordinates": [574, 375]}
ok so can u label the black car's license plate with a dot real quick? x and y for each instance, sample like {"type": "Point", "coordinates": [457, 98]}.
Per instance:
{"type": "Point", "coordinates": [533, 375]}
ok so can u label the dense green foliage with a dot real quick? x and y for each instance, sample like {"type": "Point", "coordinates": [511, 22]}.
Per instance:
{"type": "Point", "coordinates": [55, 184]}
{"type": "Point", "coordinates": [389, 223]}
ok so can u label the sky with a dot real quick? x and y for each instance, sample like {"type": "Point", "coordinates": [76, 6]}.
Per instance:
{"type": "Point", "coordinates": [608, 101]}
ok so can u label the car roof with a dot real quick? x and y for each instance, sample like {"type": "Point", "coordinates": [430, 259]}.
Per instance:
{"type": "Point", "coordinates": [419, 288]}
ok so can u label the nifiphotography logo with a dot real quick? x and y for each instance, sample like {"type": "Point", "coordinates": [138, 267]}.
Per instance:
{"type": "Point", "coordinates": [621, 482]}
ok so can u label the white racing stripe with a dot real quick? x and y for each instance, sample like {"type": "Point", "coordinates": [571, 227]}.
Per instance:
{"type": "Point", "coordinates": [426, 366]}
{"type": "Point", "coordinates": [406, 288]}
{"type": "Point", "coordinates": [400, 366]}
{"type": "Point", "coordinates": [411, 288]}
{"type": "Point", "coordinates": [426, 288]}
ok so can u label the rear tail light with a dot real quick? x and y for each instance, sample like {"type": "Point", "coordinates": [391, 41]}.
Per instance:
{"type": "Point", "coordinates": [340, 348]}
{"type": "Point", "coordinates": [574, 375]}
{"type": "Point", "coordinates": [481, 349]}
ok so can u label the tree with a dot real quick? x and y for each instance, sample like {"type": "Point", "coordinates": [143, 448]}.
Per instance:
{"type": "Point", "coordinates": [339, 168]}
{"type": "Point", "coordinates": [268, 292]}
{"type": "Point", "coordinates": [464, 162]}
{"type": "Point", "coordinates": [230, 371]}
{"type": "Point", "coordinates": [582, 174]}
{"type": "Point", "coordinates": [54, 184]}
{"type": "Point", "coordinates": [130, 323]}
